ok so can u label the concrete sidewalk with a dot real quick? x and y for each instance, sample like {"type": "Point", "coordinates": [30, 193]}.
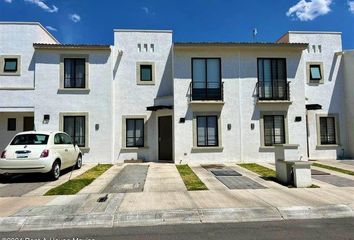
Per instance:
{"type": "Point", "coordinates": [150, 208]}
{"type": "Point", "coordinates": [165, 200]}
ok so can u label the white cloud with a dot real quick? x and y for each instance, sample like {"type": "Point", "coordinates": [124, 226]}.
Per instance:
{"type": "Point", "coordinates": [145, 9]}
{"type": "Point", "coordinates": [351, 6]}
{"type": "Point", "coordinates": [75, 17]}
{"type": "Point", "coordinates": [148, 11]}
{"type": "Point", "coordinates": [51, 28]}
{"type": "Point", "coordinates": [307, 10]}
{"type": "Point", "coordinates": [43, 5]}
{"type": "Point", "coordinates": [8, 1]}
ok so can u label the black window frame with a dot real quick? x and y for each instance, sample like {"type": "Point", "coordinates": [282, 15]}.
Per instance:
{"type": "Point", "coordinates": [11, 124]}
{"type": "Point", "coordinates": [275, 79]}
{"type": "Point", "coordinates": [206, 131]}
{"type": "Point", "coordinates": [73, 138]}
{"type": "Point", "coordinates": [273, 130]}
{"type": "Point", "coordinates": [10, 70]}
{"type": "Point", "coordinates": [134, 137]}
{"type": "Point", "coordinates": [207, 89]}
{"type": "Point", "coordinates": [73, 68]}
{"type": "Point", "coordinates": [320, 71]}
{"type": "Point", "coordinates": [325, 135]}
{"type": "Point", "coordinates": [149, 66]}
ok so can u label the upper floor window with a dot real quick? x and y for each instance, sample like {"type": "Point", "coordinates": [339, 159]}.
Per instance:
{"type": "Point", "coordinates": [272, 79]}
{"type": "Point", "coordinates": [206, 79]}
{"type": "Point", "coordinates": [145, 72]}
{"type": "Point", "coordinates": [315, 72]}
{"type": "Point", "coordinates": [74, 73]}
{"type": "Point", "coordinates": [10, 64]}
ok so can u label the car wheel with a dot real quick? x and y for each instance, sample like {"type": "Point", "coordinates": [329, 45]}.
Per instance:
{"type": "Point", "coordinates": [78, 162]}
{"type": "Point", "coordinates": [55, 172]}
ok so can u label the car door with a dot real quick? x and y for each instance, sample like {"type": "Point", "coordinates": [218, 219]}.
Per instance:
{"type": "Point", "coordinates": [59, 147]}
{"type": "Point", "coordinates": [71, 151]}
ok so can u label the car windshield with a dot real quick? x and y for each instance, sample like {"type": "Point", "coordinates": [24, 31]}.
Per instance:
{"type": "Point", "coordinates": [30, 139]}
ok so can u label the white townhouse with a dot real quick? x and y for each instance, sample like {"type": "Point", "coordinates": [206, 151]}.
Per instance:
{"type": "Point", "coordinates": [148, 98]}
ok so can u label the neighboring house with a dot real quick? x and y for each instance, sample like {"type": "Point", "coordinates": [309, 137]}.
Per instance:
{"type": "Point", "coordinates": [148, 98]}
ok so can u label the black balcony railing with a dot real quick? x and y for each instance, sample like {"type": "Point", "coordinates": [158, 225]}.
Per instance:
{"type": "Point", "coordinates": [273, 90]}
{"type": "Point", "coordinates": [206, 91]}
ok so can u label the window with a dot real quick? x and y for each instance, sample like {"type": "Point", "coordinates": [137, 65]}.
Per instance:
{"type": "Point", "coordinates": [10, 64]}
{"type": "Point", "coordinates": [315, 72]}
{"type": "Point", "coordinates": [135, 132]}
{"type": "Point", "coordinates": [207, 131]}
{"type": "Point", "coordinates": [30, 139]}
{"type": "Point", "coordinates": [75, 126]}
{"type": "Point", "coordinates": [74, 73]}
{"type": "Point", "coordinates": [274, 130]}
{"type": "Point", "coordinates": [206, 79]}
{"type": "Point", "coordinates": [272, 79]}
{"type": "Point", "coordinates": [145, 72]}
{"type": "Point", "coordinates": [11, 124]}
{"type": "Point", "coordinates": [58, 139]}
{"type": "Point", "coordinates": [328, 130]}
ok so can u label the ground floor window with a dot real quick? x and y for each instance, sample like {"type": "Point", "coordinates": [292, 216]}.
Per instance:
{"type": "Point", "coordinates": [75, 126]}
{"type": "Point", "coordinates": [135, 132]}
{"type": "Point", "coordinates": [11, 124]}
{"type": "Point", "coordinates": [328, 130]}
{"type": "Point", "coordinates": [274, 130]}
{"type": "Point", "coordinates": [207, 131]}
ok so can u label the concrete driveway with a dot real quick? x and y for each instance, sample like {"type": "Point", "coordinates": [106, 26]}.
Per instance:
{"type": "Point", "coordinates": [21, 184]}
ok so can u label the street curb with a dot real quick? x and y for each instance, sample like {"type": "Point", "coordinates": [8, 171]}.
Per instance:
{"type": "Point", "coordinates": [165, 217]}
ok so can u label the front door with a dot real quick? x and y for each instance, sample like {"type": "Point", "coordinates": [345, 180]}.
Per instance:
{"type": "Point", "coordinates": [165, 138]}
{"type": "Point", "coordinates": [28, 124]}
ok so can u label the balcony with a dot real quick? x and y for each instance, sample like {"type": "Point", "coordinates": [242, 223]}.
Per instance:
{"type": "Point", "coordinates": [201, 91]}
{"type": "Point", "coordinates": [273, 91]}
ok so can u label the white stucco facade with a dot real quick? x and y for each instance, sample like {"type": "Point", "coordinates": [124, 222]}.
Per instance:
{"type": "Point", "coordinates": [114, 93]}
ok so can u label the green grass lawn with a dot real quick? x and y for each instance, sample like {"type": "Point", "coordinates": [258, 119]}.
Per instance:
{"type": "Point", "coordinates": [190, 179]}
{"type": "Point", "coordinates": [333, 168]}
{"type": "Point", "coordinates": [75, 185]}
{"type": "Point", "coordinates": [266, 173]}
{"type": "Point", "coordinates": [260, 170]}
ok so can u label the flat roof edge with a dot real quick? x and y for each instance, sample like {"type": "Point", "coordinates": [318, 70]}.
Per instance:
{"type": "Point", "coordinates": [143, 30]}
{"type": "Point", "coordinates": [70, 47]}
{"type": "Point", "coordinates": [273, 45]}
{"type": "Point", "coordinates": [314, 32]}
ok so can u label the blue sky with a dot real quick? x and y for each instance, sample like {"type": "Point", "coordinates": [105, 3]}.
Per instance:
{"type": "Point", "coordinates": [92, 21]}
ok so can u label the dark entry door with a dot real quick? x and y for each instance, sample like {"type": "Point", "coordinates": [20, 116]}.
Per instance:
{"type": "Point", "coordinates": [165, 138]}
{"type": "Point", "coordinates": [28, 123]}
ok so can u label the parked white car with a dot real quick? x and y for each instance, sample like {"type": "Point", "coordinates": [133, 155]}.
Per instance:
{"type": "Point", "coordinates": [40, 152]}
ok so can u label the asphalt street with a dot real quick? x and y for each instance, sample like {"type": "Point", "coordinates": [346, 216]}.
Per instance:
{"type": "Point", "coordinates": [297, 229]}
